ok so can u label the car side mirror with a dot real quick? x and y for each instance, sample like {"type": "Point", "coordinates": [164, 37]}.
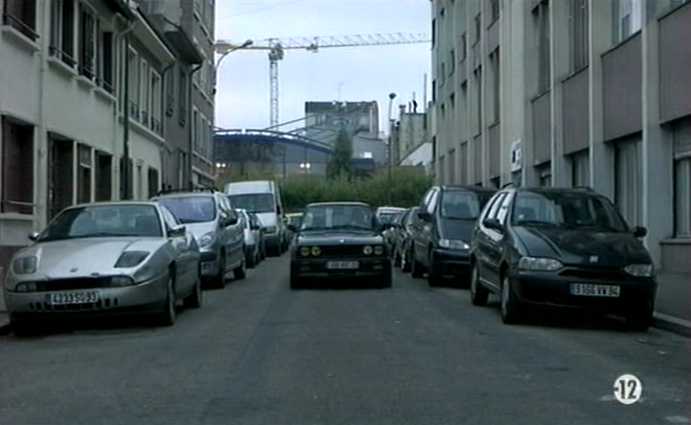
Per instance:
{"type": "Point", "coordinates": [493, 223]}
{"type": "Point", "coordinates": [424, 216]}
{"type": "Point", "coordinates": [640, 232]}
{"type": "Point", "coordinates": [177, 231]}
{"type": "Point", "coordinates": [33, 236]}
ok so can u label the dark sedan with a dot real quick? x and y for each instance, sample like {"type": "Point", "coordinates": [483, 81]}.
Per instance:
{"type": "Point", "coordinates": [339, 240]}
{"type": "Point", "coordinates": [561, 247]}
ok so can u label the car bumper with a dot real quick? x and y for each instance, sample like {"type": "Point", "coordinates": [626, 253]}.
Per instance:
{"type": "Point", "coordinates": [318, 268]}
{"type": "Point", "coordinates": [451, 262]}
{"type": "Point", "coordinates": [553, 290]}
{"type": "Point", "coordinates": [145, 296]}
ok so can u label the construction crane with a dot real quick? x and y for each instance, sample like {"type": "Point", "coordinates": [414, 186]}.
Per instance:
{"type": "Point", "coordinates": [277, 47]}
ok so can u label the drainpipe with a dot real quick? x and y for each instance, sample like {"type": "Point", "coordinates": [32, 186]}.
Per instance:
{"type": "Point", "coordinates": [191, 116]}
{"type": "Point", "coordinates": [125, 169]}
{"type": "Point", "coordinates": [164, 133]}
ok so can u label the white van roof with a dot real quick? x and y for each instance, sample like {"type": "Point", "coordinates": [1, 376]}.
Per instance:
{"type": "Point", "coordinates": [257, 186]}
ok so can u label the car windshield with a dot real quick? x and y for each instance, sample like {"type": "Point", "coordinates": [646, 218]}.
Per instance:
{"type": "Point", "coordinates": [104, 221]}
{"type": "Point", "coordinates": [191, 209]}
{"type": "Point", "coordinates": [461, 204]}
{"type": "Point", "coordinates": [577, 211]}
{"type": "Point", "coordinates": [333, 217]}
{"type": "Point", "coordinates": [387, 217]}
{"type": "Point", "coordinates": [255, 202]}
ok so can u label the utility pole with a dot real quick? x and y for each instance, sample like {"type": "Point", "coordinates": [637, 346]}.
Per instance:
{"type": "Point", "coordinates": [392, 96]}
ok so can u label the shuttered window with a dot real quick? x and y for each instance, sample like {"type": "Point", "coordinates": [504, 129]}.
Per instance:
{"type": "Point", "coordinates": [629, 181]}
{"type": "Point", "coordinates": [17, 164]}
{"type": "Point", "coordinates": [87, 41]}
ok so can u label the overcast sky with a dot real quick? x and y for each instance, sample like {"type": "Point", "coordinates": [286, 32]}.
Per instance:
{"type": "Point", "coordinates": [362, 73]}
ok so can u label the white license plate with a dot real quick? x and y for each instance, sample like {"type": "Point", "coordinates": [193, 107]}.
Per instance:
{"type": "Point", "coordinates": [65, 298]}
{"type": "Point", "coordinates": [590, 290]}
{"type": "Point", "coordinates": [343, 265]}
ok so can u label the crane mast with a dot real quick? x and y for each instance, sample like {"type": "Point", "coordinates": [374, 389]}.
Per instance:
{"type": "Point", "coordinates": [277, 47]}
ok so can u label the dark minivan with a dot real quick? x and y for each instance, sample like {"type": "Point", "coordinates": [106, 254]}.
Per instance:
{"type": "Point", "coordinates": [441, 245]}
{"type": "Point", "coordinates": [561, 247]}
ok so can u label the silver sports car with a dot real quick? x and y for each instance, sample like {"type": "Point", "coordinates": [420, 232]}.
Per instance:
{"type": "Point", "coordinates": [105, 258]}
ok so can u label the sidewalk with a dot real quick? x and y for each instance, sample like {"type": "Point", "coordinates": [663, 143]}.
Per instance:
{"type": "Point", "coordinates": [673, 304]}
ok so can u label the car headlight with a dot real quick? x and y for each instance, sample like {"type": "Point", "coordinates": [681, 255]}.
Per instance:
{"type": "Point", "coordinates": [539, 264]}
{"type": "Point", "coordinates": [25, 265]}
{"type": "Point", "coordinates": [367, 250]}
{"type": "Point", "coordinates": [26, 287]}
{"type": "Point", "coordinates": [640, 270]}
{"type": "Point", "coordinates": [130, 259]}
{"type": "Point", "coordinates": [119, 281]}
{"type": "Point", "coordinates": [305, 251]}
{"type": "Point", "coordinates": [316, 251]}
{"type": "Point", "coordinates": [453, 244]}
{"type": "Point", "coordinates": [207, 239]}
{"type": "Point", "coordinates": [378, 250]}
{"type": "Point", "coordinates": [271, 229]}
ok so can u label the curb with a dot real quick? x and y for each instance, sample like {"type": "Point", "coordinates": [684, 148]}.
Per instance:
{"type": "Point", "coordinates": [672, 324]}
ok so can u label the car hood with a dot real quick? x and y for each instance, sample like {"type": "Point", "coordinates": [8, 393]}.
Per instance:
{"type": "Point", "coordinates": [339, 238]}
{"type": "Point", "coordinates": [268, 219]}
{"type": "Point", "coordinates": [200, 229]}
{"type": "Point", "coordinates": [85, 257]}
{"type": "Point", "coordinates": [456, 229]}
{"type": "Point", "coordinates": [580, 246]}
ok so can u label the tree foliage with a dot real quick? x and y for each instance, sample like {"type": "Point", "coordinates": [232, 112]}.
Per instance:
{"type": "Point", "coordinates": [339, 165]}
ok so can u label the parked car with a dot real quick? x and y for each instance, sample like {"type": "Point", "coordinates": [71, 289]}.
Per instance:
{"type": "Point", "coordinates": [339, 240]}
{"type": "Point", "coordinates": [390, 230]}
{"type": "Point", "coordinates": [253, 238]}
{"type": "Point", "coordinates": [257, 223]}
{"type": "Point", "coordinates": [262, 197]}
{"type": "Point", "coordinates": [104, 258]}
{"type": "Point", "coordinates": [293, 220]}
{"type": "Point", "coordinates": [403, 243]}
{"type": "Point", "coordinates": [221, 238]}
{"type": "Point", "coordinates": [386, 215]}
{"type": "Point", "coordinates": [442, 245]}
{"type": "Point", "coordinates": [561, 247]}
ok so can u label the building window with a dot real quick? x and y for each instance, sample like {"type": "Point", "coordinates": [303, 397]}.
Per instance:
{"type": "Point", "coordinates": [463, 48]}
{"type": "Point", "coordinates": [153, 182]}
{"type": "Point", "coordinates": [629, 181]}
{"type": "Point", "coordinates": [442, 72]}
{"type": "Point", "coordinates": [442, 170]}
{"type": "Point", "coordinates": [579, 34]}
{"type": "Point", "coordinates": [452, 166]}
{"type": "Point", "coordinates": [478, 29]}
{"type": "Point", "coordinates": [21, 15]}
{"type": "Point", "coordinates": [434, 91]}
{"type": "Point", "coordinates": [17, 167]}
{"type": "Point", "coordinates": [182, 97]}
{"type": "Point", "coordinates": [434, 32]}
{"type": "Point", "coordinates": [682, 197]}
{"type": "Point", "coordinates": [140, 183]}
{"type": "Point", "coordinates": [83, 174]}
{"type": "Point", "coordinates": [62, 31]}
{"type": "Point", "coordinates": [144, 92]}
{"type": "Point", "coordinates": [478, 101]}
{"type": "Point", "coordinates": [195, 130]}
{"type": "Point", "coordinates": [105, 68]}
{"type": "Point", "coordinates": [156, 126]}
{"type": "Point", "coordinates": [541, 19]}
{"type": "Point", "coordinates": [496, 81]}
{"type": "Point", "coordinates": [104, 173]}
{"type": "Point", "coordinates": [580, 169]}
{"type": "Point", "coordinates": [544, 174]}
{"type": "Point", "coordinates": [133, 83]}
{"type": "Point", "coordinates": [87, 43]}
{"type": "Point", "coordinates": [198, 6]}
{"type": "Point", "coordinates": [452, 62]}
{"type": "Point", "coordinates": [494, 10]}
{"type": "Point", "coordinates": [626, 19]}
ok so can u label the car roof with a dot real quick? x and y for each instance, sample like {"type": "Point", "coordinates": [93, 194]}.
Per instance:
{"type": "Point", "coordinates": [186, 195]}
{"type": "Point", "coordinates": [572, 190]}
{"type": "Point", "coordinates": [390, 209]}
{"type": "Point", "coordinates": [345, 203]}
{"type": "Point", "coordinates": [250, 187]}
{"type": "Point", "coordinates": [114, 203]}
{"type": "Point", "coordinates": [468, 188]}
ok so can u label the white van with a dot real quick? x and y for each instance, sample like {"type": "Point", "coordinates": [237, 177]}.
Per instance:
{"type": "Point", "coordinates": [263, 198]}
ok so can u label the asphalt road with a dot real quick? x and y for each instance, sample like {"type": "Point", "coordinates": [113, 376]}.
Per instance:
{"type": "Point", "coordinates": [258, 353]}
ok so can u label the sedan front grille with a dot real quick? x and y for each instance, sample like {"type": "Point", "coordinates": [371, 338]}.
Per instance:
{"type": "Point", "coordinates": [341, 251]}
{"type": "Point", "coordinates": [75, 283]}
{"type": "Point", "coordinates": [594, 273]}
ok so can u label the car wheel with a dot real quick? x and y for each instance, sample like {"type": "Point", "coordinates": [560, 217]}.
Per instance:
{"type": "Point", "coordinates": [168, 315]}
{"type": "Point", "coordinates": [250, 259]}
{"type": "Point", "coordinates": [221, 277]}
{"type": "Point", "coordinates": [22, 328]}
{"type": "Point", "coordinates": [433, 277]}
{"type": "Point", "coordinates": [640, 319]}
{"type": "Point", "coordinates": [510, 308]}
{"type": "Point", "coordinates": [415, 267]}
{"type": "Point", "coordinates": [478, 293]}
{"type": "Point", "coordinates": [240, 272]}
{"type": "Point", "coordinates": [195, 300]}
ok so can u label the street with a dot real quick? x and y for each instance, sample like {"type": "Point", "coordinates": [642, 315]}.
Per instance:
{"type": "Point", "coordinates": [258, 353]}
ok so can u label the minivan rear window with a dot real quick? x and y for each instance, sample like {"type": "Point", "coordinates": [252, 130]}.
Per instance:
{"type": "Point", "coordinates": [254, 202]}
{"type": "Point", "coordinates": [462, 204]}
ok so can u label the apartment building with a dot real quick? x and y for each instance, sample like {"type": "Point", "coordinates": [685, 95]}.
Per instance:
{"type": "Point", "coordinates": [571, 93]}
{"type": "Point", "coordinates": [80, 104]}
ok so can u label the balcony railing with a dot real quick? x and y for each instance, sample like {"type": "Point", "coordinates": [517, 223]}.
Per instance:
{"type": "Point", "coordinates": [63, 56]}
{"type": "Point", "coordinates": [19, 25]}
{"type": "Point", "coordinates": [134, 109]}
{"type": "Point", "coordinates": [144, 117]}
{"type": "Point", "coordinates": [155, 126]}
{"type": "Point", "coordinates": [86, 71]}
